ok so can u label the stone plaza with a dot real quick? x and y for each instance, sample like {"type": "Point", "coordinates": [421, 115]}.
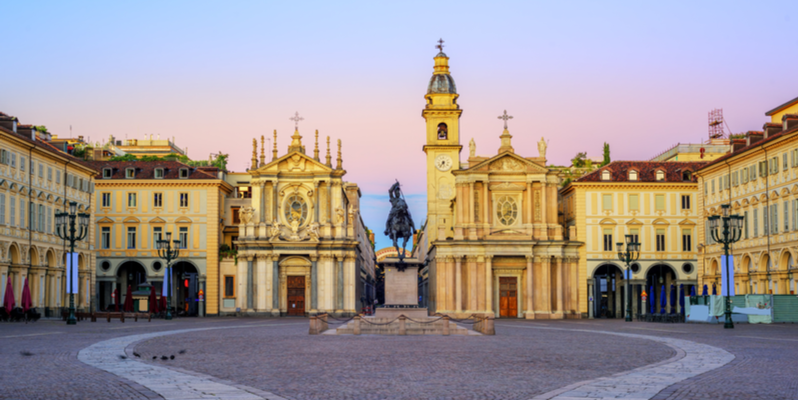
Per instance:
{"type": "Point", "coordinates": [272, 358]}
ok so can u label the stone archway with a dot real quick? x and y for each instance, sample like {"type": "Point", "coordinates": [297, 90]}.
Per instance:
{"type": "Point", "coordinates": [186, 280]}
{"type": "Point", "coordinates": [295, 285]}
{"type": "Point", "coordinates": [14, 256]}
{"type": "Point", "coordinates": [608, 291]}
{"type": "Point", "coordinates": [661, 276]}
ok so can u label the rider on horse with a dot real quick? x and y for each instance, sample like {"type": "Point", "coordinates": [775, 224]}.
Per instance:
{"type": "Point", "coordinates": [399, 224]}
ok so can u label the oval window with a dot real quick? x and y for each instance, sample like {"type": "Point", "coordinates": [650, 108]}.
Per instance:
{"type": "Point", "coordinates": [507, 210]}
{"type": "Point", "coordinates": [296, 209]}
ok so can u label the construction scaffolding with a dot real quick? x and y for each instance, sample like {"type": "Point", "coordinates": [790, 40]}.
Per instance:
{"type": "Point", "coordinates": [715, 121]}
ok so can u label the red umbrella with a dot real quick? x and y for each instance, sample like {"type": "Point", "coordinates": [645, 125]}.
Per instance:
{"type": "Point", "coordinates": [26, 297]}
{"type": "Point", "coordinates": [116, 300]}
{"type": "Point", "coordinates": [163, 302]}
{"type": "Point", "coordinates": [128, 300]}
{"type": "Point", "coordinates": [8, 300]}
{"type": "Point", "coordinates": [153, 302]}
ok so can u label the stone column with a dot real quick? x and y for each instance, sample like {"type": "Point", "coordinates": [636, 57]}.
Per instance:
{"type": "Point", "coordinates": [275, 203]}
{"type": "Point", "coordinates": [472, 267]}
{"type": "Point", "coordinates": [339, 284]}
{"type": "Point", "coordinates": [591, 302]}
{"type": "Point", "coordinates": [471, 202]}
{"type": "Point", "coordinates": [316, 202]}
{"type": "Point", "coordinates": [276, 285]}
{"type": "Point", "coordinates": [314, 287]}
{"type": "Point", "coordinates": [458, 284]}
{"type": "Point", "coordinates": [261, 281]}
{"type": "Point", "coordinates": [486, 203]}
{"type": "Point", "coordinates": [262, 209]}
{"type": "Point", "coordinates": [330, 202]}
{"type": "Point", "coordinates": [529, 313]}
{"type": "Point", "coordinates": [559, 287]}
{"type": "Point", "coordinates": [250, 283]}
{"type": "Point", "coordinates": [529, 189]}
{"type": "Point", "coordinates": [489, 279]}
{"type": "Point", "coordinates": [617, 295]}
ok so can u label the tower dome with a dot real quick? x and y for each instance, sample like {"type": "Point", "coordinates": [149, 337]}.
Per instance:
{"type": "Point", "coordinates": [441, 81]}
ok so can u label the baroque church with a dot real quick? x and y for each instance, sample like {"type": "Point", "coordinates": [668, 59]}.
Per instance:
{"type": "Point", "coordinates": [302, 245]}
{"type": "Point", "coordinates": [492, 242]}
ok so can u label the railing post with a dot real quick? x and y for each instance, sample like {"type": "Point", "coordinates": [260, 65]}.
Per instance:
{"type": "Point", "coordinates": [357, 325]}
{"type": "Point", "coordinates": [446, 327]}
{"type": "Point", "coordinates": [402, 325]}
{"type": "Point", "coordinates": [324, 326]}
{"type": "Point", "coordinates": [313, 329]}
{"type": "Point", "coordinates": [488, 329]}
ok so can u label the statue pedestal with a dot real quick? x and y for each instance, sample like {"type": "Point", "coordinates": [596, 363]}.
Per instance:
{"type": "Point", "coordinates": [402, 289]}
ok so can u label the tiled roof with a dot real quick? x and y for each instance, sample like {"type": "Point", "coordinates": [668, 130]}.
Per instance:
{"type": "Point", "coordinates": [770, 138]}
{"type": "Point", "coordinates": [47, 147]}
{"type": "Point", "coordinates": [646, 170]}
{"type": "Point", "coordinates": [146, 169]}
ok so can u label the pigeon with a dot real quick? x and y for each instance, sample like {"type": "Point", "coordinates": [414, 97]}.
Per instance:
{"type": "Point", "coordinates": [121, 357]}
{"type": "Point", "coordinates": [26, 353]}
{"type": "Point", "coordinates": [182, 351]}
{"type": "Point", "coordinates": [172, 357]}
{"type": "Point", "coordinates": [136, 354]}
{"type": "Point", "coordinates": [164, 358]}
{"type": "Point", "coordinates": [154, 357]}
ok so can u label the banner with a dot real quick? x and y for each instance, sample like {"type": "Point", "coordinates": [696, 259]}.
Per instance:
{"type": "Point", "coordinates": [761, 302]}
{"type": "Point", "coordinates": [72, 273]}
{"type": "Point", "coordinates": [165, 286]}
{"type": "Point", "coordinates": [727, 270]}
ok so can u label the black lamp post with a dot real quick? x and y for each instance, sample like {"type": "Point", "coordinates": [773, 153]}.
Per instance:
{"type": "Point", "coordinates": [66, 230]}
{"type": "Point", "coordinates": [627, 255]}
{"type": "Point", "coordinates": [728, 232]}
{"type": "Point", "coordinates": [168, 253]}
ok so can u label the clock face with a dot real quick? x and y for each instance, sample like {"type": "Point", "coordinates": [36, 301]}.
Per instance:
{"type": "Point", "coordinates": [443, 162]}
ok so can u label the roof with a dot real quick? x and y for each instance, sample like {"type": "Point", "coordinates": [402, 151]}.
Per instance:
{"type": "Point", "coordinates": [759, 143]}
{"type": "Point", "coordinates": [646, 169]}
{"type": "Point", "coordinates": [781, 107]}
{"type": "Point", "coordinates": [442, 83]}
{"type": "Point", "coordinates": [47, 147]}
{"type": "Point", "coordinates": [146, 169]}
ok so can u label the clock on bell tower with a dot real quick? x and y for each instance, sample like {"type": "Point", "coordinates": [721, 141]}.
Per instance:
{"type": "Point", "coordinates": [442, 145]}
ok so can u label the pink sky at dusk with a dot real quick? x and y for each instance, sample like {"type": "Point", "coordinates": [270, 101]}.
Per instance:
{"type": "Point", "coordinates": [640, 76]}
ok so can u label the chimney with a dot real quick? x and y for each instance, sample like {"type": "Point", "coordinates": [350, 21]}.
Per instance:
{"type": "Point", "coordinates": [8, 122]}
{"type": "Point", "coordinates": [771, 129]}
{"type": "Point", "coordinates": [789, 122]}
{"type": "Point", "coordinates": [738, 144]}
{"type": "Point", "coordinates": [754, 136]}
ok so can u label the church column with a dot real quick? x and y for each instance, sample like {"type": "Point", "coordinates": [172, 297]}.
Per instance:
{"type": "Point", "coordinates": [261, 279]}
{"type": "Point", "coordinates": [314, 287]}
{"type": "Point", "coordinates": [472, 267]}
{"type": "Point", "coordinates": [529, 293]}
{"type": "Point", "coordinates": [250, 283]}
{"type": "Point", "coordinates": [262, 210]}
{"type": "Point", "coordinates": [449, 302]}
{"type": "Point", "coordinates": [543, 211]}
{"type": "Point", "coordinates": [316, 201]}
{"type": "Point", "coordinates": [486, 203]}
{"type": "Point", "coordinates": [458, 283]}
{"type": "Point", "coordinates": [575, 280]}
{"type": "Point", "coordinates": [276, 286]}
{"type": "Point", "coordinates": [559, 286]}
{"type": "Point", "coordinates": [530, 203]}
{"type": "Point", "coordinates": [543, 285]}
{"type": "Point", "coordinates": [330, 203]}
{"type": "Point", "coordinates": [275, 201]}
{"type": "Point", "coordinates": [339, 284]}
{"type": "Point", "coordinates": [471, 211]}
{"type": "Point", "coordinates": [488, 283]}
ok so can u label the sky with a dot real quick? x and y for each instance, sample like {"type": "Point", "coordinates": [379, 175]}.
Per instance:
{"type": "Point", "coordinates": [641, 76]}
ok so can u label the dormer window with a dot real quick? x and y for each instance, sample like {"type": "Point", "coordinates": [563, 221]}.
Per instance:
{"type": "Point", "coordinates": [633, 175]}
{"type": "Point", "coordinates": [130, 173]}
{"type": "Point", "coordinates": [158, 173]}
{"type": "Point", "coordinates": [659, 175]}
{"type": "Point", "coordinates": [442, 131]}
{"type": "Point", "coordinates": [106, 173]}
{"type": "Point", "coordinates": [183, 173]}
{"type": "Point", "coordinates": [686, 176]}
{"type": "Point", "coordinates": [606, 175]}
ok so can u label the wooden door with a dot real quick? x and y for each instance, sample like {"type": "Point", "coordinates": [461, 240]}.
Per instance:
{"type": "Point", "coordinates": [508, 297]}
{"type": "Point", "coordinates": [296, 295]}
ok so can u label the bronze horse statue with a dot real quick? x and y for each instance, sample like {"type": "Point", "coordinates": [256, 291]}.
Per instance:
{"type": "Point", "coordinates": [399, 224]}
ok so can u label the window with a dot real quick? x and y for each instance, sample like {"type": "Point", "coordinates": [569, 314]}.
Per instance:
{"type": "Point", "coordinates": [41, 218]}
{"type": "Point", "coordinates": [235, 242]}
{"type": "Point", "coordinates": [131, 237]}
{"type": "Point", "coordinates": [183, 236]}
{"type": "Point", "coordinates": [130, 173]}
{"type": "Point", "coordinates": [105, 237]}
{"type": "Point", "coordinates": [762, 169]}
{"type": "Point", "coordinates": [735, 179]}
{"type": "Point", "coordinates": [765, 217]}
{"type": "Point", "coordinates": [41, 170]}
{"type": "Point", "coordinates": [58, 178]}
{"type": "Point", "coordinates": [106, 199]}
{"type": "Point", "coordinates": [746, 226]}
{"type": "Point", "coordinates": [13, 160]}
{"type": "Point", "coordinates": [773, 217]}
{"type": "Point", "coordinates": [49, 173]}
{"type": "Point", "coordinates": [659, 175]}
{"type": "Point", "coordinates": [785, 215]}
{"type": "Point", "coordinates": [608, 242]}
{"type": "Point", "coordinates": [22, 163]}
{"type": "Point", "coordinates": [727, 180]}
{"type": "Point", "coordinates": [606, 175]}
{"type": "Point", "coordinates": [705, 188]}
{"type": "Point", "coordinates": [183, 173]}
{"type": "Point", "coordinates": [752, 172]}
{"type": "Point", "coordinates": [713, 190]}
{"type": "Point", "coordinates": [794, 213]}
{"type": "Point", "coordinates": [745, 175]}
{"type": "Point", "coordinates": [158, 173]}
{"type": "Point", "coordinates": [635, 234]}
{"type": "Point", "coordinates": [633, 175]}
{"type": "Point", "coordinates": [32, 216]}
{"type": "Point", "coordinates": [22, 213]}
{"type": "Point", "coordinates": [2, 208]}
{"type": "Point", "coordinates": [755, 222]}
{"type": "Point", "coordinates": [686, 202]}
{"type": "Point", "coordinates": [157, 197]}
{"type": "Point", "coordinates": [794, 158]}
{"type": "Point", "coordinates": [607, 202]}
{"type": "Point", "coordinates": [687, 240]}
{"type": "Point", "coordinates": [184, 199]}
{"type": "Point", "coordinates": [235, 216]}
{"type": "Point", "coordinates": [230, 287]}
{"type": "Point", "coordinates": [506, 210]}
{"type": "Point", "coordinates": [660, 240]}
{"type": "Point", "coordinates": [12, 211]}
{"type": "Point", "coordinates": [785, 161]}
{"type": "Point", "coordinates": [106, 173]}
{"type": "Point", "coordinates": [633, 202]}
{"type": "Point", "coordinates": [131, 199]}
{"type": "Point", "coordinates": [686, 176]}
{"type": "Point", "coordinates": [441, 131]}
{"type": "Point", "coordinates": [156, 236]}
{"type": "Point", "coordinates": [660, 206]}
{"type": "Point", "coordinates": [50, 220]}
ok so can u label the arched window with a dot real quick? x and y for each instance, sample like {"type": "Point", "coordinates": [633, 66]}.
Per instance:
{"type": "Point", "coordinates": [659, 175]}
{"type": "Point", "coordinates": [606, 175]}
{"type": "Point", "coordinates": [633, 175]}
{"type": "Point", "coordinates": [442, 131]}
{"type": "Point", "coordinates": [686, 176]}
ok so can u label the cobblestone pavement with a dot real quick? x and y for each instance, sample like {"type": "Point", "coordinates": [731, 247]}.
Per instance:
{"type": "Point", "coordinates": [285, 360]}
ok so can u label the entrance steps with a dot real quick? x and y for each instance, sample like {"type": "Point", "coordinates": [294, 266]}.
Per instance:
{"type": "Point", "coordinates": [392, 327]}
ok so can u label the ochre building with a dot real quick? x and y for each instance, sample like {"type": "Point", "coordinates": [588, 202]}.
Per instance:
{"type": "Point", "coordinates": [494, 245]}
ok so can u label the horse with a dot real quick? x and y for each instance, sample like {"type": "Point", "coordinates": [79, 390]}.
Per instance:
{"type": "Point", "coordinates": [399, 225]}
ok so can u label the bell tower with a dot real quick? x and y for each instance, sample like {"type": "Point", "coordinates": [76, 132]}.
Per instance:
{"type": "Point", "coordinates": [442, 146]}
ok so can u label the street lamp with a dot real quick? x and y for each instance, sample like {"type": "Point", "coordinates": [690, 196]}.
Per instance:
{"type": "Point", "coordinates": [627, 255]}
{"type": "Point", "coordinates": [168, 253]}
{"type": "Point", "coordinates": [728, 232]}
{"type": "Point", "coordinates": [66, 230]}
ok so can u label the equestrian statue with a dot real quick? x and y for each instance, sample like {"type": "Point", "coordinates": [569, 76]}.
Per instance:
{"type": "Point", "coordinates": [399, 224]}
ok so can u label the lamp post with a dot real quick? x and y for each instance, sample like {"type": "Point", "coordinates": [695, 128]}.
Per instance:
{"type": "Point", "coordinates": [627, 255]}
{"type": "Point", "coordinates": [168, 253]}
{"type": "Point", "coordinates": [66, 230]}
{"type": "Point", "coordinates": [728, 232]}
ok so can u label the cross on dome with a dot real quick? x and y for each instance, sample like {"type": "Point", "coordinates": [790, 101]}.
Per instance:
{"type": "Point", "coordinates": [297, 118]}
{"type": "Point", "coordinates": [440, 46]}
{"type": "Point", "coordinates": [505, 117]}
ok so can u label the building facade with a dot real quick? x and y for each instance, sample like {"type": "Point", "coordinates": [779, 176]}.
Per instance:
{"type": "Point", "coordinates": [301, 246]}
{"type": "Point", "coordinates": [759, 182]}
{"type": "Point", "coordinates": [657, 203]}
{"type": "Point", "coordinates": [36, 181]}
{"type": "Point", "coordinates": [494, 245]}
{"type": "Point", "coordinates": [138, 203]}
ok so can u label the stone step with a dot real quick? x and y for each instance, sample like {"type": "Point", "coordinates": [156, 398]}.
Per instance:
{"type": "Point", "coordinates": [412, 328]}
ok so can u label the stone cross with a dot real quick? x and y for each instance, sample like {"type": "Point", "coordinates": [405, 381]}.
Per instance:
{"type": "Point", "coordinates": [505, 117]}
{"type": "Point", "coordinates": [440, 46]}
{"type": "Point", "coordinates": [297, 118]}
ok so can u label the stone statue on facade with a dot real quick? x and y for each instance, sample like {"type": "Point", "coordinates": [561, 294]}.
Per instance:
{"type": "Point", "coordinates": [246, 214]}
{"type": "Point", "coordinates": [399, 224]}
{"type": "Point", "coordinates": [471, 148]}
{"type": "Point", "coordinates": [275, 230]}
{"type": "Point", "coordinates": [313, 231]}
{"type": "Point", "coordinates": [542, 148]}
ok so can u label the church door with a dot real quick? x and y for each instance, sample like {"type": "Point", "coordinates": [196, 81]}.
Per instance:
{"type": "Point", "coordinates": [296, 295]}
{"type": "Point", "coordinates": [508, 297]}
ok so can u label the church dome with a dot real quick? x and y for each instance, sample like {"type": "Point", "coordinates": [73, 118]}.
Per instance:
{"type": "Point", "coordinates": [442, 83]}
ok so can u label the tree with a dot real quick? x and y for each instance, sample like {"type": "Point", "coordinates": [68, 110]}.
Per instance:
{"type": "Point", "coordinates": [579, 160]}
{"type": "Point", "coordinates": [126, 157]}
{"type": "Point", "coordinates": [606, 154]}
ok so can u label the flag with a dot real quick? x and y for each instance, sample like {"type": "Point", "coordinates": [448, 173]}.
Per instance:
{"type": "Point", "coordinates": [727, 270]}
{"type": "Point", "coordinates": [165, 287]}
{"type": "Point", "coordinates": [72, 273]}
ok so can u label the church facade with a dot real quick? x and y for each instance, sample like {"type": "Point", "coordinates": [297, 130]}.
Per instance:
{"type": "Point", "coordinates": [301, 245]}
{"type": "Point", "coordinates": [492, 241]}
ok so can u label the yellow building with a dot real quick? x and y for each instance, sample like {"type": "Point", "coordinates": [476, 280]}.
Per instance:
{"type": "Point", "coordinates": [137, 204]}
{"type": "Point", "coordinates": [494, 245]}
{"type": "Point", "coordinates": [709, 151]}
{"type": "Point", "coordinates": [656, 202]}
{"type": "Point", "coordinates": [36, 181]}
{"type": "Point", "coordinates": [148, 146]}
{"type": "Point", "coordinates": [759, 181]}
{"type": "Point", "coordinates": [301, 245]}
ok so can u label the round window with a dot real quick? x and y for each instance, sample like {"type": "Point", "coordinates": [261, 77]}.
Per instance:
{"type": "Point", "coordinates": [687, 268]}
{"type": "Point", "coordinates": [296, 210]}
{"type": "Point", "coordinates": [507, 210]}
{"type": "Point", "coordinates": [105, 265]}
{"type": "Point", "coordinates": [157, 265]}
{"type": "Point", "coordinates": [635, 268]}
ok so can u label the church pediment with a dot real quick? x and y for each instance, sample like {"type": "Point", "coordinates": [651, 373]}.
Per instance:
{"type": "Point", "coordinates": [295, 162]}
{"type": "Point", "coordinates": [507, 163]}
